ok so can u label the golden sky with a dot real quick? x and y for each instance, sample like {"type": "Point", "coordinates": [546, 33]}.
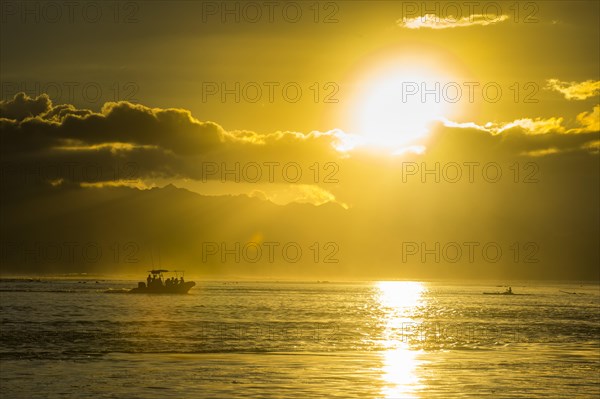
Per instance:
{"type": "Point", "coordinates": [370, 125]}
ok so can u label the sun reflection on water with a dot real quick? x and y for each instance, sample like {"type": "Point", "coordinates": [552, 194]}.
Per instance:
{"type": "Point", "coordinates": [399, 300]}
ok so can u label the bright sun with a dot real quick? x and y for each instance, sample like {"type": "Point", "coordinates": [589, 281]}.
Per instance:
{"type": "Point", "coordinates": [399, 108]}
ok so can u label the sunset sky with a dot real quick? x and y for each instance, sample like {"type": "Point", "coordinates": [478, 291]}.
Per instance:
{"type": "Point", "coordinates": [378, 130]}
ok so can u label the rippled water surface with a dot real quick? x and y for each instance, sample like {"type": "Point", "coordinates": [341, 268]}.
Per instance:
{"type": "Point", "coordinates": [66, 338]}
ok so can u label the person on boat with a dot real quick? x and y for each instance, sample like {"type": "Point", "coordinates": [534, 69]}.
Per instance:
{"type": "Point", "coordinates": [149, 279]}
{"type": "Point", "coordinates": [168, 282]}
{"type": "Point", "coordinates": [181, 280]}
{"type": "Point", "coordinates": [509, 290]}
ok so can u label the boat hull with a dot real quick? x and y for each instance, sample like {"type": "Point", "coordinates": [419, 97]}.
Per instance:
{"type": "Point", "coordinates": [172, 289]}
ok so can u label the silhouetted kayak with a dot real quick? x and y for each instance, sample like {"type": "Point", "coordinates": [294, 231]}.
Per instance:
{"type": "Point", "coordinates": [505, 293]}
{"type": "Point", "coordinates": [499, 293]}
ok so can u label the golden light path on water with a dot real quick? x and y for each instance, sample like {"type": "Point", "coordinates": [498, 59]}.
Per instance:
{"type": "Point", "coordinates": [399, 300]}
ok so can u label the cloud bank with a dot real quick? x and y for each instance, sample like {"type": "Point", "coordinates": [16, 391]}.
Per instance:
{"type": "Point", "coordinates": [432, 21]}
{"type": "Point", "coordinates": [172, 144]}
{"type": "Point", "coordinates": [373, 201]}
{"type": "Point", "coordinates": [575, 90]}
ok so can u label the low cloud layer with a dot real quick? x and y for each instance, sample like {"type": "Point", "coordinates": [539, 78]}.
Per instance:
{"type": "Point", "coordinates": [163, 143]}
{"type": "Point", "coordinates": [530, 180]}
{"type": "Point", "coordinates": [585, 122]}
{"type": "Point", "coordinates": [575, 90]}
{"type": "Point", "coordinates": [171, 144]}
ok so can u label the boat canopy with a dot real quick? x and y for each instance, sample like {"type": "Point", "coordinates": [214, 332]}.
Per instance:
{"type": "Point", "coordinates": [159, 271]}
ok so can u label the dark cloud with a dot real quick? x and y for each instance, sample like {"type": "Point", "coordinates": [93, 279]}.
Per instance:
{"type": "Point", "coordinates": [38, 120]}
{"type": "Point", "coordinates": [171, 143]}
{"type": "Point", "coordinates": [23, 106]}
{"type": "Point", "coordinates": [58, 147]}
{"type": "Point", "coordinates": [162, 142]}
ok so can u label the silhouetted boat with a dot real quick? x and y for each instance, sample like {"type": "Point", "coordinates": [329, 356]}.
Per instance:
{"type": "Point", "coordinates": [157, 284]}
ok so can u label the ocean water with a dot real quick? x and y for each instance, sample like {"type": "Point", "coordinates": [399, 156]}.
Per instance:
{"type": "Point", "coordinates": [72, 339]}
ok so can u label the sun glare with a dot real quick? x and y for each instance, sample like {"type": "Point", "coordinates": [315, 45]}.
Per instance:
{"type": "Point", "coordinates": [399, 300]}
{"type": "Point", "coordinates": [399, 109]}
{"type": "Point", "coordinates": [400, 295]}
